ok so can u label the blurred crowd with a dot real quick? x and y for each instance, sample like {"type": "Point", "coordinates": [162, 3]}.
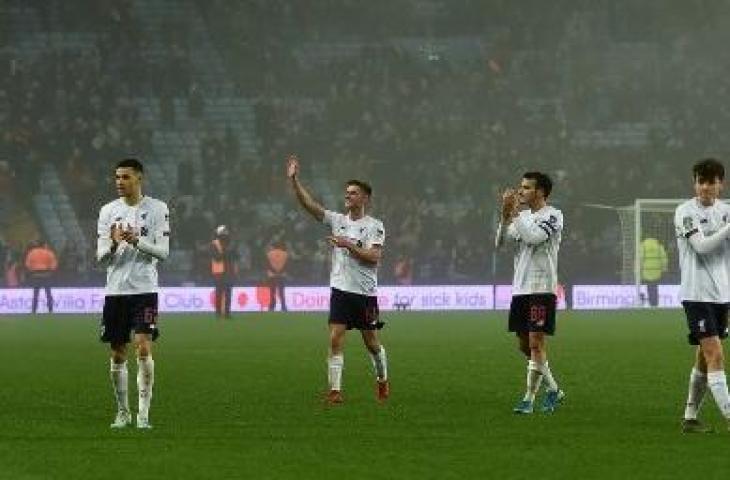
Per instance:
{"type": "Point", "coordinates": [605, 107]}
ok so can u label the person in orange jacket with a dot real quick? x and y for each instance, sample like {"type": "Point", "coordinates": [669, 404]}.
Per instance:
{"type": "Point", "coordinates": [223, 268]}
{"type": "Point", "coordinates": [41, 264]}
{"type": "Point", "coordinates": [277, 257]}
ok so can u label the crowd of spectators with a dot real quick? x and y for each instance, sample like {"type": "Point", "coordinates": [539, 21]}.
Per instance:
{"type": "Point", "coordinates": [437, 133]}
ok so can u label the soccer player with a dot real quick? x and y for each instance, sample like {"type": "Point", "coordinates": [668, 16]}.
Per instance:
{"type": "Point", "coordinates": [357, 246]}
{"type": "Point", "coordinates": [702, 232]}
{"type": "Point", "coordinates": [133, 235]}
{"type": "Point", "coordinates": [536, 230]}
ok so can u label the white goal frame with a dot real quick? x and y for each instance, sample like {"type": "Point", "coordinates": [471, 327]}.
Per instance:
{"type": "Point", "coordinates": [660, 205]}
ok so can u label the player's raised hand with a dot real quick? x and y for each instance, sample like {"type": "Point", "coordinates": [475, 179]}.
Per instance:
{"type": "Point", "coordinates": [509, 203]}
{"type": "Point", "coordinates": [129, 236]}
{"type": "Point", "coordinates": [292, 166]}
{"type": "Point", "coordinates": [115, 234]}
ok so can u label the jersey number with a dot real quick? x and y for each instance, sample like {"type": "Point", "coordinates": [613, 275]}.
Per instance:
{"type": "Point", "coordinates": [538, 315]}
{"type": "Point", "coordinates": [150, 315]}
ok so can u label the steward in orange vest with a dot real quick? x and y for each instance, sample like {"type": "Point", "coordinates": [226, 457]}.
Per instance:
{"type": "Point", "coordinates": [41, 264]}
{"type": "Point", "coordinates": [224, 270]}
{"type": "Point", "coordinates": [277, 257]}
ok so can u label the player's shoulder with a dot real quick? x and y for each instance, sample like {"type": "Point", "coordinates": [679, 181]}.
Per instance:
{"type": "Point", "coordinates": [376, 222]}
{"type": "Point", "coordinates": [110, 206]}
{"type": "Point", "coordinates": [551, 214]}
{"type": "Point", "coordinates": [156, 203]}
{"type": "Point", "coordinates": [333, 216]}
{"type": "Point", "coordinates": [687, 207]}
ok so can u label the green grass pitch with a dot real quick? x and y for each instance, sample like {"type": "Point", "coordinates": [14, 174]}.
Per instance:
{"type": "Point", "coordinates": [242, 399]}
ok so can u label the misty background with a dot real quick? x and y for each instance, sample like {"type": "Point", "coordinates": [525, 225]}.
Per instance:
{"type": "Point", "coordinates": [438, 104]}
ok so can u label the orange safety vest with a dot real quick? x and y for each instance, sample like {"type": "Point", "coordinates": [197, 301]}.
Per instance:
{"type": "Point", "coordinates": [218, 267]}
{"type": "Point", "coordinates": [277, 259]}
{"type": "Point", "coordinates": [41, 259]}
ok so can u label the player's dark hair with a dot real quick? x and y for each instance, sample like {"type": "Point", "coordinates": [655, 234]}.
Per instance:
{"type": "Point", "coordinates": [364, 186]}
{"type": "Point", "coordinates": [542, 182]}
{"type": "Point", "coordinates": [132, 163]}
{"type": "Point", "coordinates": [708, 170]}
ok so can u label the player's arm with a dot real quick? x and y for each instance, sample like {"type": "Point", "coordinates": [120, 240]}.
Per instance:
{"type": "Point", "coordinates": [707, 244]}
{"type": "Point", "coordinates": [107, 240]}
{"type": "Point", "coordinates": [303, 196]}
{"type": "Point", "coordinates": [688, 227]}
{"type": "Point", "coordinates": [535, 233]}
{"type": "Point", "coordinates": [158, 245]}
{"type": "Point", "coordinates": [507, 215]}
{"type": "Point", "coordinates": [372, 250]}
{"type": "Point", "coordinates": [370, 255]}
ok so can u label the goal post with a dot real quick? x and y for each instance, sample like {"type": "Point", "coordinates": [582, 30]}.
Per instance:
{"type": "Point", "coordinates": [649, 220]}
{"type": "Point", "coordinates": [654, 219]}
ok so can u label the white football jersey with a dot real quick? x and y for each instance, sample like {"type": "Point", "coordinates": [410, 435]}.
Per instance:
{"type": "Point", "coordinates": [348, 273]}
{"type": "Point", "coordinates": [538, 237]}
{"type": "Point", "coordinates": [705, 277]}
{"type": "Point", "coordinates": [132, 270]}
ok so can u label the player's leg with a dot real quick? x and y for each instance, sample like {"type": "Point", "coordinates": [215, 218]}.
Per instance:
{"type": "Point", "coordinates": [535, 342]}
{"type": "Point", "coordinates": [115, 330]}
{"type": "Point", "coordinates": [523, 343]}
{"type": "Point", "coordinates": [695, 395]}
{"type": "Point", "coordinates": [707, 324]}
{"type": "Point", "coordinates": [145, 308]}
{"type": "Point", "coordinates": [120, 383]}
{"type": "Point", "coordinates": [716, 380]}
{"type": "Point", "coordinates": [145, 377]}
{"type": "Point", "coordinates": [379, 359]}
{"type": "Point", "coordinates": [336, 361]}
{"type": "Point", "coordinates": [538, 348]}
{"type": "Point", "coordinates": [518, 323]}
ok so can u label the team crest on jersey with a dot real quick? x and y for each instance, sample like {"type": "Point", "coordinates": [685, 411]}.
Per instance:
{"type": "Point", "coordinates": [553, 219]}
{"type": "Point", "coordinates": [143, 216]}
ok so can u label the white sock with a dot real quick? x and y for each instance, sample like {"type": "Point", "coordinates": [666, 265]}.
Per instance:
{"type": "Point", "coordinates": [534, 378]}
{"type": "Point", "coordinates": [697, 389]}
{"type": "Point", "coordinates": [335, 364]}
{"type": "Point", "coordinates": [119, 376]}
{"type": "Point", "coordinates": [145, 381]}
{"type": "Point", "coordinates": [380, 364]}
{"type": "Point", "coordinates": [552, 385]}
{"type": "Point", "coordinates": [718, 386]}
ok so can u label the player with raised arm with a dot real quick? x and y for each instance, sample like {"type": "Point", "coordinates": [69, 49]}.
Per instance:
{"type": "Point", "coordinates": [536, 231]}
{"type": "Point", "coordinates": [133, 235]}
{"type": "Point", "coordinates": [702, 239]}
{"type": "Point", "coordinates": [357, 243]}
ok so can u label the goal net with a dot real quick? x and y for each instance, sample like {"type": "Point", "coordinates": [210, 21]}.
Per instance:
{"type": "Point", "coordinates": [649, 245]}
